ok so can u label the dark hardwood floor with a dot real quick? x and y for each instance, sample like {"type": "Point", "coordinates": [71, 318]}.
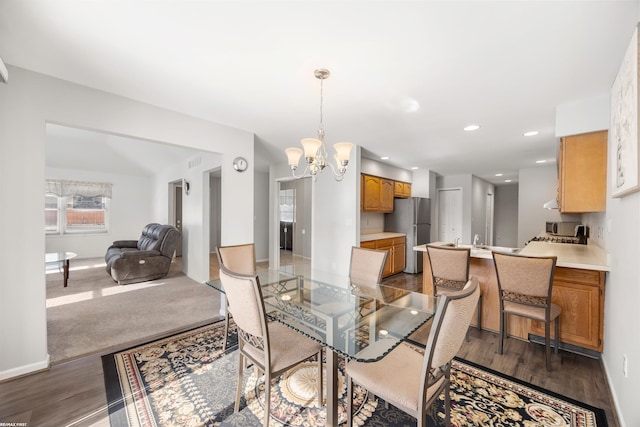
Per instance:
{"type": "Point", "coordinates": [72, 393]}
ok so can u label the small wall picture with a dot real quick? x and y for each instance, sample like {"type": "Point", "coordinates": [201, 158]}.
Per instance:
{"type": "Point", "coordinates": [623, 136]}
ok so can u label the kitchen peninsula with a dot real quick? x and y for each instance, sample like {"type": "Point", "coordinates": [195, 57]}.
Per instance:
{"type": "Point", "coordinates": [578, 288]}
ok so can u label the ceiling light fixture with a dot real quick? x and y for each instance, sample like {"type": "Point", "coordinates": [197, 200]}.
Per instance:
{"type": "Point", "coordinates": [531, 133]}
{"type": "Point", "coordinates": [499, 174]}
{"type": "Point", "coordinates": [415, 168]}
{"type": "Point", "coordinates": [315, 151]}
{"type": "Point", "coordinates": [384, 158]}
{"type": "Point", "coordinates": [541, 161]}
{"type": "Point", "coordinates": [507, 180]}
{"type": "Point", "coordinates": [471, 128]}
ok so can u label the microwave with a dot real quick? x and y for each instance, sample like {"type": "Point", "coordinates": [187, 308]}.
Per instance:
{"type": "Point", "coordinates": [562, 228]}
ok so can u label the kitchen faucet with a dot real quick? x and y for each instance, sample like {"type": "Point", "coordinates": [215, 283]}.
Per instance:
{"type": "Point", "coordinates": [476, 238]}
{"type": "Point", "coordinates": [456, 242]}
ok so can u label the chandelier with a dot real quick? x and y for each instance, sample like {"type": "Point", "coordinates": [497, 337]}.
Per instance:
{"type": "Point", "coordinates": [315, 151]}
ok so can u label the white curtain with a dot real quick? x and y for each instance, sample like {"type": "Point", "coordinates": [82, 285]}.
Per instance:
{"type": "Point", "coordinates": [62, 188]}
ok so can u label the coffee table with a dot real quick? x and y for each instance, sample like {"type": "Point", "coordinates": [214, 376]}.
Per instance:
{"type": "Point", "coordinates": [63, 257]}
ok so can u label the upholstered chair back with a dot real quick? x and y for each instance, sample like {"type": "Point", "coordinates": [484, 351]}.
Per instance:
{"type": "Point", "coordinates": [366, 266]}
{"type": "Point", "coordinates": [245, 302]}
{"type": "Point", "coordinates": [238, 259]}
{"type": "Point", "coordinates": [158, 237]}
{"type": "Point", "coordinates": [450, 326]}
{"type": "Point", "coordinates": [449, 266]}
{"type": "Point", "coordinates": [531, 276]}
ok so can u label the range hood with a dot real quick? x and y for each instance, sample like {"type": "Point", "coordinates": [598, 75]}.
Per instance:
{"type": "Point", "coordinates": [551, 204]}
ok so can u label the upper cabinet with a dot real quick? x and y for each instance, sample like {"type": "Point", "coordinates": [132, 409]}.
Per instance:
{"type": "Point", "coordinates": [582, 173]}
{"type": "Point", "coordinates": [402, 190]}
{"type": "Point", "coordinates": [377, 194]}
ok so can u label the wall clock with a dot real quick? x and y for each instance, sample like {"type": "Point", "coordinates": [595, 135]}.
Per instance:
{"type": "Point", "coordinates": [240, 164]}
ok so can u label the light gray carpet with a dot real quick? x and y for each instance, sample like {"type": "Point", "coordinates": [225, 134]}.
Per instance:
{"type": "Point", "coordinates": [96, 315]}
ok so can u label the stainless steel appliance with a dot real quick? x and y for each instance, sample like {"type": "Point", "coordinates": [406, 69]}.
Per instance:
{"type": "Point", "coordinates": [562, 228]}
{"type": "Point", "coordinates": [411, 216]}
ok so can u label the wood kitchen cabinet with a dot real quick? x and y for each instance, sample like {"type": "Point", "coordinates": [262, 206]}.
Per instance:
{"type": "Point", "coordinates": [580, 295]}
{"type": "Point", "coordinates": [401, 190]}
{"type": "Point", "coordinates": [377, 194]}
{"type": "Point", "coordinates": [396, 258]}
{"type": "Point", "coordinates": [582, 173]}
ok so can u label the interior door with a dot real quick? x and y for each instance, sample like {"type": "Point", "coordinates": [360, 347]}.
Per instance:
{"type": "Point", "coordinates": [449, 214]}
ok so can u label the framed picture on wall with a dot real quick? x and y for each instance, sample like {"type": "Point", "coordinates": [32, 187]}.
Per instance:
{"type": "Point", "coordinates": [623, 136]}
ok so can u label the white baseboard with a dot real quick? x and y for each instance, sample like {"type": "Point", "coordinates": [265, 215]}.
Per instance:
{"type": "Point", "coordinates": [26, 369]}
{"type": "Point", "coordinates": [614, 396]}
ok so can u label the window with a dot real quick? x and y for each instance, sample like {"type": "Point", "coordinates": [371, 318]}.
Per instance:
{"type": "Point", "coordinates": [288, 205]}
{"type": "Point", "coordinates": [76, 207]}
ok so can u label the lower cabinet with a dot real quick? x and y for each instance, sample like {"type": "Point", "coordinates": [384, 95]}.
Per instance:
{"type": "Point", "coordinates": [578, 292]}
{"type": "Point", "coordinates": [580, 295]}
{"type": "Point", "coordinates": [397, 249]}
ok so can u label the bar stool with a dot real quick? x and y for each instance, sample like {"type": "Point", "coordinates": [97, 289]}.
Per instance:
{"type": "Point", "coordinates": [450, 272]}
{"type": "Point", "coordinates": [524, 285]}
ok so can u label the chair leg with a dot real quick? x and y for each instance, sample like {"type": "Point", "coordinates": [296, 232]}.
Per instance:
{"type": "Point", "coordinates": [267, 398]}
{"type": "Point", "coordinates": [320, 401]}
{"type": "Point", "coordinates": [239, 387]}
{"type": "Point", "coordinates": [226, 329]}
{"type": "Point", "coordinates": [349, 401]}
{"type": "Point", "coordinates": [503, 321]}
{"type": "Point", "coordinates": [547, 343]}
{"type": "Point", "coordinates": [447, 400]}
{"type": "Point", "coordinates": [557, 325]}
{"type": "Point", "coordinates": [480, 313]}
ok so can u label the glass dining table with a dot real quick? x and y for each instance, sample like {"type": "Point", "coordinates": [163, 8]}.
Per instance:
{"type": "Point", "coordinates": [362, 323]}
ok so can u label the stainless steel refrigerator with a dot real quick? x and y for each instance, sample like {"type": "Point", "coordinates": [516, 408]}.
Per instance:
{"type": "Point", "coordinates": [411, 216]}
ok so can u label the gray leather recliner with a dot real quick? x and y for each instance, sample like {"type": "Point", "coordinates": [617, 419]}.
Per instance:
{"type": "Point", "coordinates": [148, 258]}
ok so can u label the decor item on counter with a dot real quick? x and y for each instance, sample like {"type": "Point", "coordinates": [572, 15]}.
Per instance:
{"type": "Point", "coordinates": [624, 124]}
{"type": "Point", "coordinates": [315, 150]}
{"type": "Point", "coordinates": [200, 378]}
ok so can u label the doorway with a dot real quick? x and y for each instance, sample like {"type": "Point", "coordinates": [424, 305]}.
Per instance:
{"type": "Point", "coordinates": [449, 214]}
{"type": "Point", "coordinates": [176, 189]}
{"type": "Point", "coordinates": [294, 220]}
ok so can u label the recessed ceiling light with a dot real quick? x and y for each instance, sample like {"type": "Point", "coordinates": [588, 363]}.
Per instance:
{"type": "Point", "coordinates": [541, 161]}
{"type": "Point", "coordinates": [507, 180]}
{"type": "Point", "coordinates": [415, 168]}
{"type": "Point", "coordinates": [531, 133]}
{"type": "Point", "coordinates": [471, 127]}
{"type": "Point", "coordinates": [384, 158]}
{"type": "Point", "coordinates": [499, 174]}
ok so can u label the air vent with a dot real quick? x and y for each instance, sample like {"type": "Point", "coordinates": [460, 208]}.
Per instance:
{"type": "Point", "coordinates": [195, 162]}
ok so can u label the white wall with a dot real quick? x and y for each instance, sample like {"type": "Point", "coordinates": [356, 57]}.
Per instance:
{"type": "Point", "coordinates": [375, 168]}
{"type": "Point", "coordinates": [618, 231]}
{"type": "Point", "coordinates": [27, 103]}
{"type": "Point", "coordinates": [538, 185]}
{"type": "Point", "coordinates": [129, 211]}
{"type": "Point", "coordinates": [480, 189]}
{"type": "Point", "coordinates": [505, 216]}
{"type": "Point", "coordinates": [196, 207]}
{"type": "Point", "coordinates": [261, 215]}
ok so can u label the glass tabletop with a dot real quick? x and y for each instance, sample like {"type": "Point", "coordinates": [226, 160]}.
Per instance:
{"type": "Point", "coordinates": [58, 256]}
{"type": "Point", "coordinates": [362, 323]}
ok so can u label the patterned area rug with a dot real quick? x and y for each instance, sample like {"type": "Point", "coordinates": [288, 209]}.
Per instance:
{"type": "Point", "coordinates": [186, 380]}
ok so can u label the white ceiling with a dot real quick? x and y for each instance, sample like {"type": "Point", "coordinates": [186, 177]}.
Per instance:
{"type": "Point", "coordinates": [406, 77]}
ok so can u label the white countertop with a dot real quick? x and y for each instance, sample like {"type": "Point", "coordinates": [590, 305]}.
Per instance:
{"type": "Point", "coordinates": [378, 236]}
{"type": "Point", "coordinates": [587, 257]}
